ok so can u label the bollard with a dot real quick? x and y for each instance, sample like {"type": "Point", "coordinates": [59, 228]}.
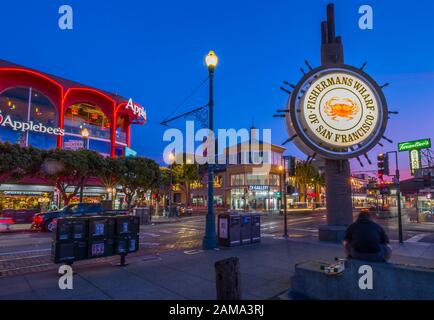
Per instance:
{"type": "Point", "coordinates": [228, 279]}
{"type": "Point", "coordinates": [122, 262]}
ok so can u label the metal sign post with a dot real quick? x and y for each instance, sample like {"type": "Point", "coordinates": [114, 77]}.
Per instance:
{"type": "Point", "coordinates": [398, 195]}
{"type": "Point", "coordinates": [336, 112]}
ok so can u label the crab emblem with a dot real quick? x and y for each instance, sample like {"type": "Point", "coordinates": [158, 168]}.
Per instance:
{"type": "Point", "coordinates": [344, 108]}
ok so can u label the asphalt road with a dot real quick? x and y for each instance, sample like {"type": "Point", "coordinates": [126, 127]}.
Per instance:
{"type": "Point", "coordinates": [27, 251]}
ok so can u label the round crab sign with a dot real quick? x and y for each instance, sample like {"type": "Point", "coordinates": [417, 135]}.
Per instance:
{"type": "Point", "coordinates": [337, 112]}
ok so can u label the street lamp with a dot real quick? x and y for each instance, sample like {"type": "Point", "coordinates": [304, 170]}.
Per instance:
{"type": "Point", "coordinates": [281, 186]}
{"type": "Point", "coordinates": [210, 238]}
{"type": "Point", "coordinates": [172, 160]}
{"type": "Point", "coordinates": [85, 135]}
{"type": "Point", "coordinates": [283, 196]}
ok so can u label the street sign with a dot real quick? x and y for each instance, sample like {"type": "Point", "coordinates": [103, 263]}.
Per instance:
{"type": "Point", "coordinates": [415, 161]}
{"type": "Point", "coordinates": [414, 145]}
{"type": "Point", "coordinates": [336, 112]}
{"type": "Point", "coordinates": [130, 152]}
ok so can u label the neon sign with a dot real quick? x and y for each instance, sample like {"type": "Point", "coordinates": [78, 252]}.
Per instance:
{"type": "Point", "coordinates": [29, 126]}
{"type": "Point", "coordinates": [136, 109]}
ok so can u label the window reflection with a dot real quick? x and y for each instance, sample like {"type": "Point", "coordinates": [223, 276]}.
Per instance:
{"type": "Point", "coordinates": [26, 104]}
{"type": "Point", "coordinates": [85, 115]}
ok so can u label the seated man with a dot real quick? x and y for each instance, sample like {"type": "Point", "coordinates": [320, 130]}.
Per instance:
{"type": "Point", "coordinates": [366, 240]}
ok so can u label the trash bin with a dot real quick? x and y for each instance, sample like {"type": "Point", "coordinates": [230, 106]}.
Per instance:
{"type": "Point", "coordinates": [246, 229]}
{"type": "Point", "coordinates": [256, 227]}
{"type": "Point", "coordinates": [143, 214]}
{"type": "Point", "coordinates": [229, 229]}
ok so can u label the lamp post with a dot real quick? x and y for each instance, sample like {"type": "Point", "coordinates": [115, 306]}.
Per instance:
{"type": "Point", "coordinates": [85, 135]}
{"type": "Point", "coordinates": [210, 238]}
{"type": "Point", "coordinates": [283, 196]}
{"type": "Point", "coordinates": [172, 159]}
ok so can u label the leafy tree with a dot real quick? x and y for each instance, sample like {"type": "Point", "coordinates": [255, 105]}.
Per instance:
{"type": "Point", "coordinates": [110, 173]}
{"type": "Point", "coordinates": [184, 174]}
{"type": "Point", "coordinates": [305, 174]}
{"type": "Point", "coordinates": [17, 162]}
{"type": "Point", "coordinates": [67, 168]}
{"type": "Point", "coordinates": [137, 176]}
{"type": "Point", "coordinates": [164, 184]}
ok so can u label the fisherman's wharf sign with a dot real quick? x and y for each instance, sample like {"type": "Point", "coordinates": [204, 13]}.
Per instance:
{"type": "Point", "coordinates": [337, 112]}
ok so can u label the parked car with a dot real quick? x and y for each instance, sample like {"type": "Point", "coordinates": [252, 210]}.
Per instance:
{"type": "Point", "coordinates": [20, 216]}
{"type": "Point", "coordinates": [46, 221]}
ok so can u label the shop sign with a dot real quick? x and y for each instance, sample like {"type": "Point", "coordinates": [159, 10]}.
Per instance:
{"type": "Point", "coordinates": [29, 126]}
{"type": "Point", "coordinates": [414, 145]}
{"type": "Point", "coordinates": [415, 161]}
{"type": "Point", "coordinates": [73, 145]}
{"type": "Point", "coordinates": [259, 188]}
{"type": "Point", "coordinates": [136, 109]}
{"type": "Point", "coordinates": [128, 152]}
{"type": "Point", "coordinates": [338, 113]}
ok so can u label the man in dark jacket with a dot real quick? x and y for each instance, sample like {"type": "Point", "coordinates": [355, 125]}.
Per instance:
{"type": "Point", "coordinates": [366, 240]}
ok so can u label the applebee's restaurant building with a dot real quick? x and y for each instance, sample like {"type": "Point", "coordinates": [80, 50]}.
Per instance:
{"type": "Point", "coordinates": [46, 112]}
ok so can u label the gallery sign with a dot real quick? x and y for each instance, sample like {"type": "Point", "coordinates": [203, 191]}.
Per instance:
{"type": "Point", "coordinates": [29, 126]}
{"type": "Point", "coordinates": [336, 112]}
{"type": "Point", "coordinates": [259, 188]}
{"type": "Point", "coordinates": [414, 145]}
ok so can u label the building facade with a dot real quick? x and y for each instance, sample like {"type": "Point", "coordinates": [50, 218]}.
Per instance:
{"type": "Point", "coordinates": [240, 184]}
{"type": "Point", "coordinates": [47, 112]}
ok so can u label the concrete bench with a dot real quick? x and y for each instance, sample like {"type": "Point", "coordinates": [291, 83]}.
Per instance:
{"type": "Point", "coordinates": [390, 282]}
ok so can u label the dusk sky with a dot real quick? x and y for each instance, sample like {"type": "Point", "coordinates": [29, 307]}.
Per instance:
{"type": "Point", "coordinates": [153, 52]}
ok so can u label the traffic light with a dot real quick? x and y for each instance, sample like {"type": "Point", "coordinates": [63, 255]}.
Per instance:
{"type": "Point", "coordinates": [380, 166]}
{"type": "Point", "coordinates": [383, 165]}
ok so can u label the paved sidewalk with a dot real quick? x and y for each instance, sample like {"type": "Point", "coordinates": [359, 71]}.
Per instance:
{"type": "Point", "coordinates": [266, 269]}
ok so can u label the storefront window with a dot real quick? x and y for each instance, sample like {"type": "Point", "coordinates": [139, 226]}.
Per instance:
{"type": "Point", "coordinates": [17, 200]}
{"type": "Point", "coordinates": [276, 158]}
{"type": "Point", "coordinates": [255, 200]}
{"type": "Point", "coordinates": [237, 180]}
{"type": "Point", "coordinates": [22, 107]}
{"type": "Point", "coordinates": [83, 115]}
{"type": "Point", "coordinates": [121, 135]}
{"type": "Point", "coordinates": [80, 116]}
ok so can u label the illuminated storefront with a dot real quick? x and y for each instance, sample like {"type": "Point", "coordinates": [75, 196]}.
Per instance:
{"type": "Point", "coordinates": [242, 185]}
{"type": "Point", "coordinates": [47, 112]}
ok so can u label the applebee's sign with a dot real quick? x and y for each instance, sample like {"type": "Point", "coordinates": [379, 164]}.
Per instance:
{"type": "Point", "coordinates": [29, 126]}
{"type": "Point", "coordinates": [136, 109]}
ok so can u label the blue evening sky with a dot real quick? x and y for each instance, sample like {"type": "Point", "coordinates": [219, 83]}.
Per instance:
{"type": "Point", "coordinates": [153, 51]}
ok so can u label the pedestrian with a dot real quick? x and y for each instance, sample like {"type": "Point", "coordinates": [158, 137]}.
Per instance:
{"type": "Point", "coordinates": [367, 240]}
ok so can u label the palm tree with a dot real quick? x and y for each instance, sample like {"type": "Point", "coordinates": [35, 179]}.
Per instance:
{"type": "Point", "coordinates": [305, 174]}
